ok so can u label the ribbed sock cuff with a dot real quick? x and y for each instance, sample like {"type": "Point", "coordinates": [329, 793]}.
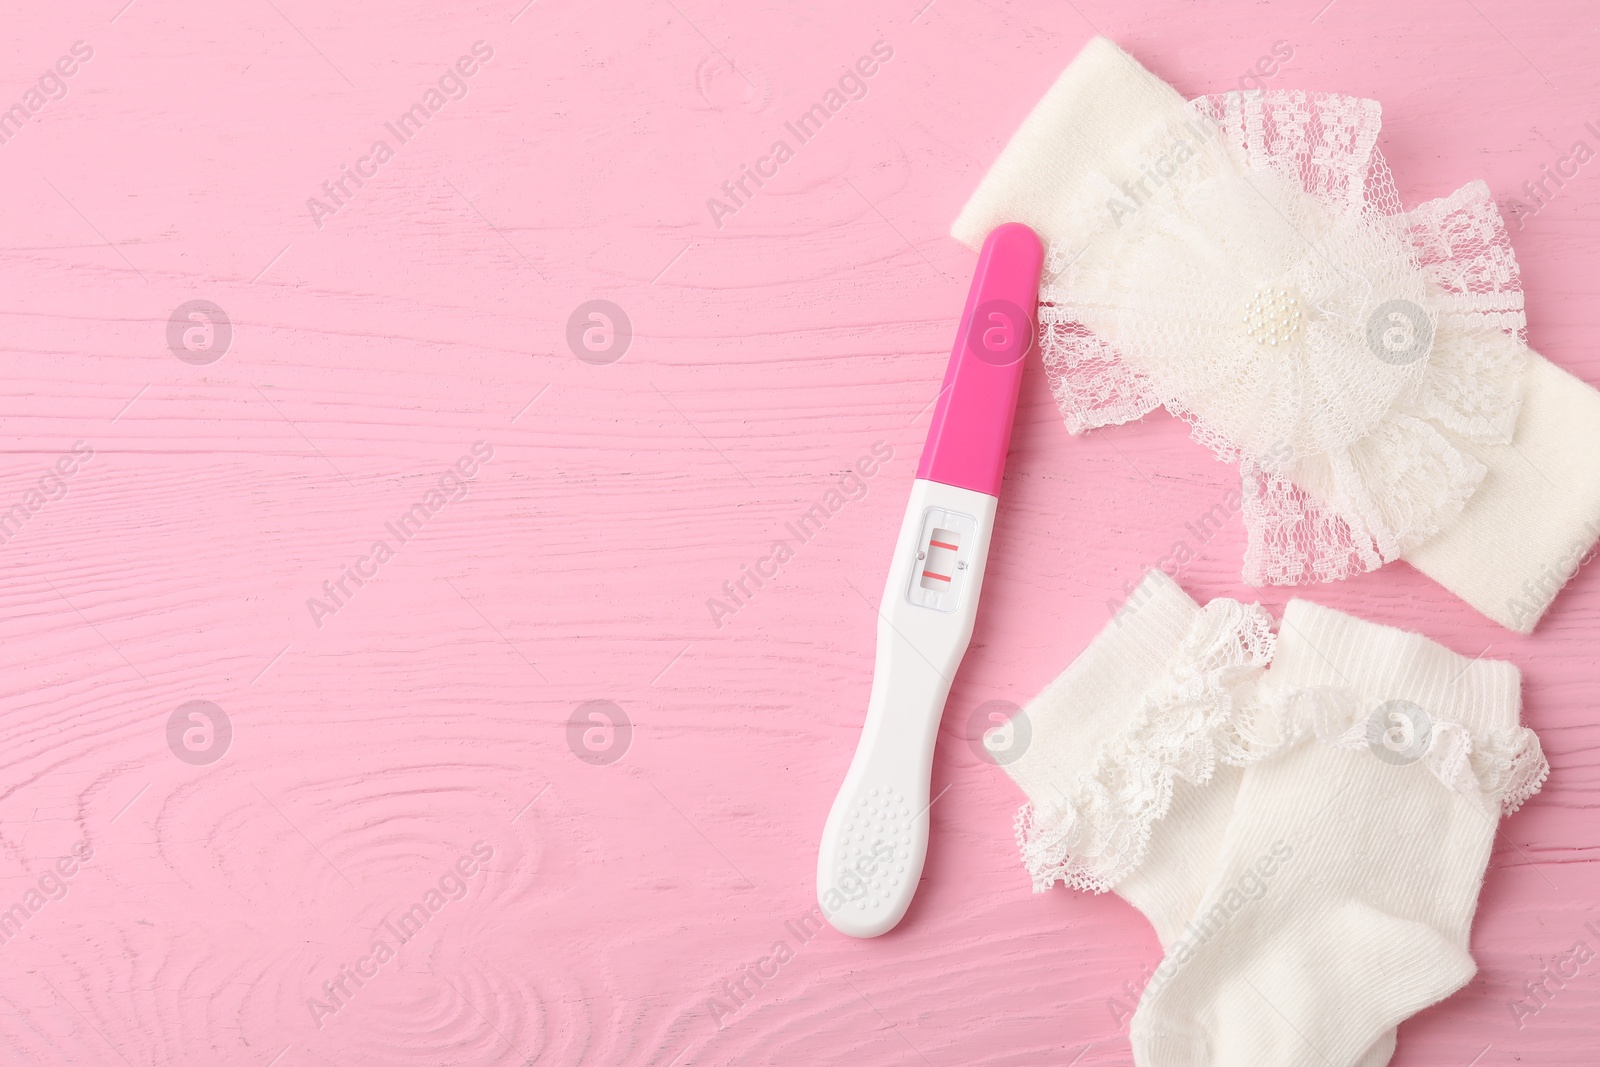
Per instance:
{"type": "Point", "coordinates": [1318, 646]}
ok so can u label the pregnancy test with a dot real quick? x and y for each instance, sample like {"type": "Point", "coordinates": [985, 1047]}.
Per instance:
{"type": "Point", "coordinates": [876, 836]}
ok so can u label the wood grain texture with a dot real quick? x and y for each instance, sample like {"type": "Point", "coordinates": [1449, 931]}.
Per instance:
{"type": "Point", "coordinates": [429, 714]}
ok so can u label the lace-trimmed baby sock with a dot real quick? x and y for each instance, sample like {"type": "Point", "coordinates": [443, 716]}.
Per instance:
{"type": "Point", "coordinates": [1375, 814]}
{"type": "Point", "coordinates": [1137, 756]}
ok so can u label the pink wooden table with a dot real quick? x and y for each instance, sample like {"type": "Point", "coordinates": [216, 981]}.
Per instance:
{"type": "Point", "coordinates": [397, 531]}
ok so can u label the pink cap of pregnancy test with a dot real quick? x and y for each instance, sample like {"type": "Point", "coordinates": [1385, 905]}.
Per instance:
{"type": "Point", "coordinates": [971, 428]}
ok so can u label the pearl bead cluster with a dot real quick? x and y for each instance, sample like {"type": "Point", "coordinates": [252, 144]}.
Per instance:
{"type": "Point", "coordinates": [1272, 317]}
{"type": "Point", "coordinates": [881, 817]}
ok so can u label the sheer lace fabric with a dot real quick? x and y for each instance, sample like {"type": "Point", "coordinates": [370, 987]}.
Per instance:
{"type": "Point", "coordinates": [1261, 281]}
{"type": "Point", "coordinates": [1498, 770]}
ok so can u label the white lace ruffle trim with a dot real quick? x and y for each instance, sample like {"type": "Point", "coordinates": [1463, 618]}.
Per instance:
{"type": "Point", "coordinates": [1189, 723]}
{"type": "Point", "coordinates": [1212, 709]}
{"type": "Point", "coordinates": [1499, 770]}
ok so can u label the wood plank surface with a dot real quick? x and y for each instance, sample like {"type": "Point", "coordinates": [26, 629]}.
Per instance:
{"type": "Point", "coordinates": [404, 740]}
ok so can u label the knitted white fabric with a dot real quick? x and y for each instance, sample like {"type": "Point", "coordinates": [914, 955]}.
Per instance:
{"type": "Point", "coordinates": [1136, 758]}
{"type": "Point", "coordinates": [1243, 260]}
{"type": "Point", "coordinates": [1349, 873]}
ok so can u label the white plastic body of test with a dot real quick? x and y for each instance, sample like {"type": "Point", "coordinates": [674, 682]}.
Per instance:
{"type": "Point", "coordinates": [876, 836]}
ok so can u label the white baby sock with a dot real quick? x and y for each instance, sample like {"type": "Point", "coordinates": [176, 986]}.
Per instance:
{"type": "Point", "coordinates": [1348, 875]}
{"type": "Point", "coordinates": [1136, 756]}
{"type": "Point", "coordinates": [1122, 743]}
